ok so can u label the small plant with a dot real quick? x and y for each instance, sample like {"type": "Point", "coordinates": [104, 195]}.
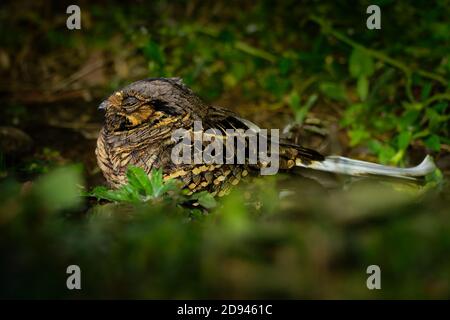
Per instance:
{"type": "Point", "coordinates": [144, 188]}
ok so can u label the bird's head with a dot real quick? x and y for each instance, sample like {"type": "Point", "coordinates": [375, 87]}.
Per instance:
{"type": "Point", "coordinates": [150, 102]}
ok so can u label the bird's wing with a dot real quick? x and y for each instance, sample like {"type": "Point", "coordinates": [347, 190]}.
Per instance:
{"type": "Point", "coordinates": [289, 152]}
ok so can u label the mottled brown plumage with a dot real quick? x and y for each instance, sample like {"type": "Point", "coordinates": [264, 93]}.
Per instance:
{"type": "Point", "coordinates": [140, 120]}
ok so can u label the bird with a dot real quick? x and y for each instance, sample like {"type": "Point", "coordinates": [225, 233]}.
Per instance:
{"type": "Point", "coordinates": [140, 121]}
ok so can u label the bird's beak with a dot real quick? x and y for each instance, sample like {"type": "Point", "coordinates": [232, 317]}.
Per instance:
{"type": "Point", "coordinates": [103, 105]}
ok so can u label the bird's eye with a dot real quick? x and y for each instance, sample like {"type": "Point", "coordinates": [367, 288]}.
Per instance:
{"type": "Point", "coordinates": [130, 101]}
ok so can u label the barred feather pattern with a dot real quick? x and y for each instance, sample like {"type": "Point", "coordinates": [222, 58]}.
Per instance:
{"type": "Point", "coordinates": [140, 120]}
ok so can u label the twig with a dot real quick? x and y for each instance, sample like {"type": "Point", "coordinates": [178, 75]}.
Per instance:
{"type": "Point", "coordinates": [244, 47]}
{"type": "Point", "coordinates": [79, 75]}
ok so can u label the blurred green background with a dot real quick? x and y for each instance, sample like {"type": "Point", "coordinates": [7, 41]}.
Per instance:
{"type": "Point", "coordinates": [311, 68]}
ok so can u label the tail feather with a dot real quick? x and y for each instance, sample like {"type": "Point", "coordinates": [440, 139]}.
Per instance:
{"type": "Point", "coordinates": [342, 165]}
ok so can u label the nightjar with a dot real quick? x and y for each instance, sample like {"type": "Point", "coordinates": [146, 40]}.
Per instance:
{"type": "Point", "coordinates": [140, 120]}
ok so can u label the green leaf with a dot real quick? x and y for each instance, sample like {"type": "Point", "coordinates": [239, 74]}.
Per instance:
{"type": "Point", "coordinates": [398, 157]}
{"type": "Point", "coordinates": [386, 153]}
{"type": "Point", "coordinates": [139, 180]}
{"type": "Point", "coordinates": [433, 142]}
{"type": "Point", "coordinates": [132, 193]}
{"type": "Point", "coordinates": [403, 139]}
{"type": "Point", "coordinates": [426, 90]}
{"type": "Point", "coordinates": [375, 146]}
{"type": "Point", "coordinates": [140, 187]}
{"type": "Point", "coordinates": [434, 178]}
{"type": "Point", "coordinates": [413, 106]}
{"type": "Point", "coordinates": [110, 195]}
{"type": "Point", "coordinates": [206, 200]}
{"type": "Point", "coordinates": [360, 64]}
{"type": "Point", "coordinates": [168, 186]}
{"type": "Point", "coordinates": [408, 119]}
{"type": "Point", "coordinates": [362, 87]}
{"type": "Point", "coordinates": [440, 107]}
{"type": "Point", "coordinates": [156, 180]}
{"type": "Point", "coordinates": [357, 136]}
{"type": "Point", "coordinates": [384, 122]}
{"type": "Point", "coordinates": [285, 65]}
{"type": "Point", "coordinates": [196, 214]}
{"type": "Point", "coordinates": [335, 91]}
{"type": "Point", "coordinates": [434, 119]}
{"type": "Point", "coordinates": [294, 101]}
{"type": "Point", "coordinates": [353, 113]}
{"type": "Point", "coordinates": [421, 134]}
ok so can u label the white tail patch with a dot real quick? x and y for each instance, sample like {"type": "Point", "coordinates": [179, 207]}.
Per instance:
{"type": "Point", "coordinates": [353, 167]}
